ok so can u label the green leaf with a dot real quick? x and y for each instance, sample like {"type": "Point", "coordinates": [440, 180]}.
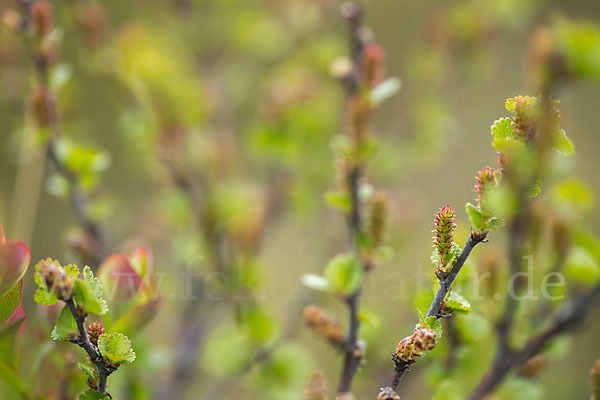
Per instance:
{"type": "Point", "coordinates": [573, 195]}
{"type": "Point", "coordinates": [474, 216]}
{"type": "Point", "coordinates": [536, 189]}
{"type": "Point", "coordinates": [10, 301]}
{"type": "Point", "coordinates": [456, 303]}
{"type": "Point", "coordinates": [517, 388]}
{"type": "Point", "coordinates": [344, 273]}
{"type": "Point", "coordinates": [12, 378]}
{"type": "Point", "coordinates": [91, 394]}
{"type": "Point", "coordinates": [434, 324]}
{"type": "Point", "coordinates": [562, 143]}
{"type": "Point", "coordinates": [582, 267]}
{"type": "Point", "coordinates": [316, 282]}
{"type": "Point", "coordinates": [473, 327]}
{"type": "Point", "coordinates": [495, 222]}
{"type": "Point", "coordinates": [66, 327]}
{"type": "Point", "coordinates": [116, 348]}
{"type": "Point", "coordinates": [368, 318]}
{"type": "Point", "coordinates": [502, 129]}
{"type": "Point", "coordinates": [45, 298]}
{"type": "Point", "coordinates": [60, 75]}
{"type": "Point", "coordinates": [338, 200]}
{"type": "Point", "coordinates": [261, 326]}
{"type": "Point", "coordinates": [89, 370]}
{"type": "Point", "coordinates": [509, 146]}
{"type": "Point", "coordinates": [385, 90]}
{"type": "Point", "coordinates": [88, 293]}
{"type": "Point", "coordinates": [449, 389]}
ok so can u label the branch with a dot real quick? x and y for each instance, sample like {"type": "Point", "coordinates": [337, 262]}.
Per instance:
{"type": "Point", "coordinates": [567, 318]}
{"type": "Point", "coordinates": [104, 368]}
{"type": "Point", "coordinates": [78, 197]}
{"type": "Point", "coordinates": [352, 351]}
{"type": "Point", "coordinates": [400, 367]}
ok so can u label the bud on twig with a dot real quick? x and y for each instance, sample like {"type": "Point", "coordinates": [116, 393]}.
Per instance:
{"type": "Point", "coordinates": [41, 14]}
{"type": "Point", "coordinates": [387, 393]}
{"type": "Point", "coordinates": [94, 331]}
{"type": "Point", "coordinates": [316, 388]}
{"type": "Point", "coordinates": [372, 64]}
{"type": "Point", "coordinates": [359, 111]}
{"type": "Point", "coordinates": [485, 179]}
{"type": "Point", "coordinates": [41, 104]}
{"type": "Point", "coordinates": [56, 280]}
{"type": "Point", "coordinates": [443, 240]}
{"type": "Point", "coordinates": [323, 325]}
{"type": "Point", "coordinates": [524, 121]}
{"type": "Point", "coordinates": [414, 346]}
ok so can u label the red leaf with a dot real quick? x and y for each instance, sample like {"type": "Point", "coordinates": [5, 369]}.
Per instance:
{"type": "Point", "coordinates": [120, 279]}
{"type": "Point", "coordinates": [14, 260]}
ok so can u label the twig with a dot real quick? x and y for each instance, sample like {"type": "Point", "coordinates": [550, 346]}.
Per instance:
{"type": "Point", "coordinates": [78, 197]}
{"type": "Point", "coordinates": [352, 357]}
{"type": "Point", "coordinates": [567, 318]}
{"type": "Point", "coordinates": [400, 367]}
{"type": "Point", "coordinates": [352, 351]}
{"type": "Point", "coordinates": [104, 368]}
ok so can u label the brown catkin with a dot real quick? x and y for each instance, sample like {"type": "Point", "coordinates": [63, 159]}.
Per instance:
{"type": "Point", "coordinates": [317, 387]}
{"type": "Point", "coordinates": [323, 324]}
{"type": "Point", "coordinates": [41, 14]}
{"type": "Point", "coordinates": [416, 345]}
{"type": "Point", "coordinates": [378, 220]}
{"type": "Point", "coordinates": [41, 105]}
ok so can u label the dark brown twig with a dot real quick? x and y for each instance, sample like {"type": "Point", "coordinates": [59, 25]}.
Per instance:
{"type": "Point", "coordinates": [567, 318]}
{"type": "Point", "coordinates": [353, 352]}
{"type": "Point", "coordinates": [104, 368]}
{"type": "Point", "coordinates": [400, 367]}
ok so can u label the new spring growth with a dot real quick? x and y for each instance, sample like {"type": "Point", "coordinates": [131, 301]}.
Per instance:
{"type": "Point", "coordinates": [40, 103]}
{"type": "Point", "coordinates": [372, 64]}
{"type": "Point", "coordinates": [56, 279]}
{"type": "Point", "coordinates": [387, 393]}
{"type": "Point", "coordinates": [524, 119]}
{"type": "Point", "coordinates": [484, 181]}
{"type": "Point", "coordinates": [317, 387]}
{"type": "Point", "coordinates": [323, 325]}
{"type": "Point", "coordinates": [378, 218]}
{"type": "Point", "coordinates": [526, 116]}
{"type": "Point", "coordinates": [416, 345]}
{"type": "Point", "coordinates": [443, 239]}
{"type": "Point", "coordinates": [41, 14]}
{"type": "Point", "coordinates": [94, 331]}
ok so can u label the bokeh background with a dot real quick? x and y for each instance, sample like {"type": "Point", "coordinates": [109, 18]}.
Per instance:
{"type": "Point", "coordinates": [248, 83]}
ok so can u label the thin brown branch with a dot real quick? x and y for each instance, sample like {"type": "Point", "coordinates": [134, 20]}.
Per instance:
{"type": "Point", "coordinates": [401, 367]}
{"type": "Point", "coordinates": [353, 352]}
{"type": "Point", "coordinates": [568, 318]}
{"type": "Point", "coordinates": [78, 198]}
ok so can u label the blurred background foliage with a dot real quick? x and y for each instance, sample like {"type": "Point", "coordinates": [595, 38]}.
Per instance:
{"type": "Point", "coordinates": [238, 97]}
